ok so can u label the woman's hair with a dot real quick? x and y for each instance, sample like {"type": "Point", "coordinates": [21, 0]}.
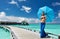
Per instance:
{"type": "Point", "coordinates": [43, 13]}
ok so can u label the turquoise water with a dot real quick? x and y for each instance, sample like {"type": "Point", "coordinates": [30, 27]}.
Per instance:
{"type": "Point", "coordinates": [4, 33]}
{"type": "Point", "coordinates": [51, 28]}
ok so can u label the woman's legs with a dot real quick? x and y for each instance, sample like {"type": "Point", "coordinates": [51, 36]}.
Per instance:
{"type": "Point", "coordinates": [43, 34]}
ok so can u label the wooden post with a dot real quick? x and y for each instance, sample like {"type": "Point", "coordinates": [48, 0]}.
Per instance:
{"type": "Point", "coordinates": [58, 37]}
{"type": "Point", "coordinates": [28, 28]}
{"type": "Point", "coordinates": [34, 30]}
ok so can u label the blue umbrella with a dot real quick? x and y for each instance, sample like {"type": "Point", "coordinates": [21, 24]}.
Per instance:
{"type": "Point", "coordinates": [48, 12]}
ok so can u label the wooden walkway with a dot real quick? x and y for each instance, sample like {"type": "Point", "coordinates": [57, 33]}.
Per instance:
{"type": "Point", "coordinates": [25, 34]}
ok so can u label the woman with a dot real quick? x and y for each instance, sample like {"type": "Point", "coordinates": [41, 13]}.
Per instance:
{"type": "Point", "coordinates": [43, 19]}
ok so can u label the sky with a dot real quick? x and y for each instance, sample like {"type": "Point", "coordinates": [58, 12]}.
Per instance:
{"type": "Point", "coordinates": [27, 8]}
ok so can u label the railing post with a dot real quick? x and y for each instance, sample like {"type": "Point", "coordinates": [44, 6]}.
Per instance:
{"type": "Point", "coordinates": [58, 37]}
{"type": "Point", "coordinates": [34, 30]}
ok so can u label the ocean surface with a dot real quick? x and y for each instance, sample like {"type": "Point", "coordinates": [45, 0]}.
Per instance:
{"type": "Point", "coordinates": [51, 28]}
{"type": "Point", "coordinates": [4, 33]}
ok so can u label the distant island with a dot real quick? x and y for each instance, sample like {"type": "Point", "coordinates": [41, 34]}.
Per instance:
{"type": "Point", "coordinates": [13, 23]}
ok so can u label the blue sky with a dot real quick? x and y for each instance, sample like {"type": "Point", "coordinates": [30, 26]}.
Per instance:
{"type": "Point", "coordinates": [17, 9]}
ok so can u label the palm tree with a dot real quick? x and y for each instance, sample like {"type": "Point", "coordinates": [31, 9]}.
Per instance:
{"type": "Point", "coordinates": [24, 23]}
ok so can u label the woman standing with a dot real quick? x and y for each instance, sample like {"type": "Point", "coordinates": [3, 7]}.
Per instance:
{"type": "Point", "coordinates": [43, 19]}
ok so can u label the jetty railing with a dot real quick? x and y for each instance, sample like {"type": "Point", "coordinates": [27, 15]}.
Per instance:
{"type": "Point", "coordinates": [46, 32]}
{"type": "Point", "coordinates": [54, 35]}
{"type": "Point", "coordinates": [13, 36]}
{"type": "Point", "coordinates": [12, 33]}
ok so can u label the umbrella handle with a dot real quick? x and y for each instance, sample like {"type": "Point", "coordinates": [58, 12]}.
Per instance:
{"type": "Point", "coordinates": [45, 13]}
{"type": "Point", "coordinates": [48, 16]}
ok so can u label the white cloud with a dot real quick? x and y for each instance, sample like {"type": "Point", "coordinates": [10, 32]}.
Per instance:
{"type": "Point", "coordinates": [26, 9]}
{"type": "Point", "coordinates": [57, 19]}
{"type": "Point", "coordinates": [33, 20]}
{"type": "Point", "coordinates": [58, 10]}
{"type": "Point", "coordinates": [3, 17]}
{"type": "Point", "coordinates": [6, 9]}
{"type": "Point", "coordinates": [14, 3]}
{"type": "Point", "coordinates": [56, 4]}
{"type": "Point", "coordinates": [21, 0]}
{"type": "Point", "coordinates": [2, 14]}
{"type": "Point", "coordinates": [20, 19]}
{"type": "Point", "coordinates": [58, 14]}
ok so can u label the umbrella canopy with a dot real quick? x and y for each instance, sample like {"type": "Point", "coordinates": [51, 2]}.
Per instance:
{"type": "Point", "coordinates": [48, 12]}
